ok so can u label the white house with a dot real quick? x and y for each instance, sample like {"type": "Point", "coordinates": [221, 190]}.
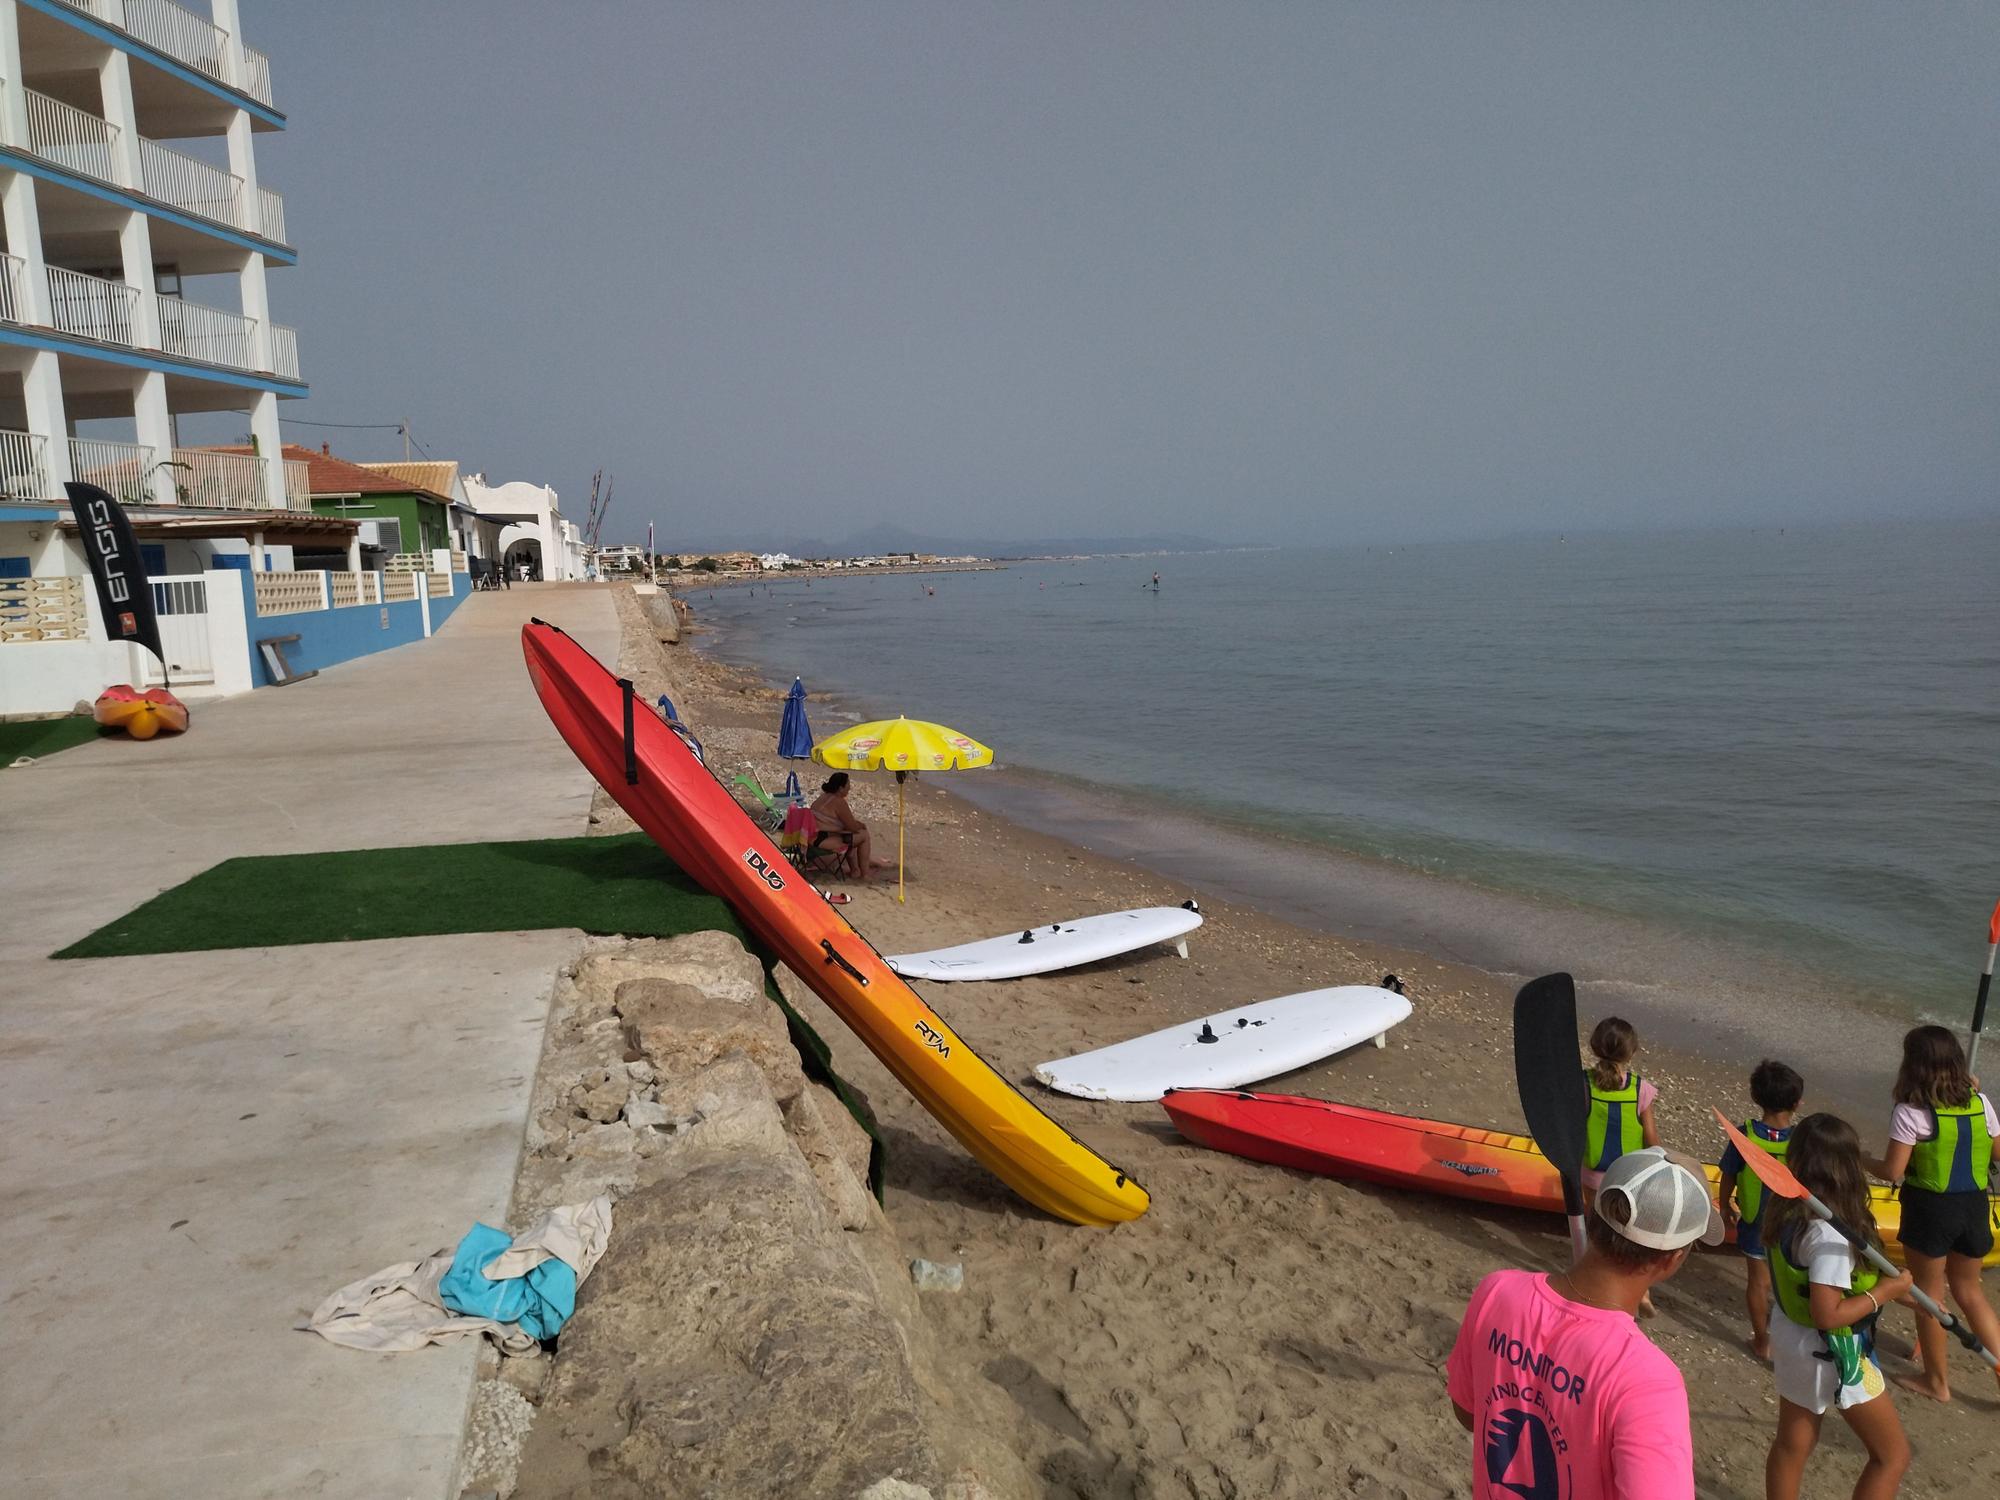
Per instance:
{"type": "Point", "coordinates": [775, 560]}
{"type": "Point", "coordinates": [536, 532]}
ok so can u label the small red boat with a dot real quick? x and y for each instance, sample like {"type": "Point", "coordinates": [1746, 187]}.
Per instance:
{"type": "Point", "coordinates": [141, 715]}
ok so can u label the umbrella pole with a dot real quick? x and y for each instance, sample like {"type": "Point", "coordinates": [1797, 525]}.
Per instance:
{"type": "Point", "coordinates": [899, 842]}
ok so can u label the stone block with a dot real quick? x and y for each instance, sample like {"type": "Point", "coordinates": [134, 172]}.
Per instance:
{"type": "Point", "coordinates": [682, 1028]}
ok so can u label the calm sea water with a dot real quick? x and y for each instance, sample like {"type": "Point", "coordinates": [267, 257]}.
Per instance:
{"type": "Point", "coordinates": [1773, 742]}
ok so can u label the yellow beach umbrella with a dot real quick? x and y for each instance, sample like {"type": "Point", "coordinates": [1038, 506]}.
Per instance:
{"type": "Point", "coordinates": [901, 745]}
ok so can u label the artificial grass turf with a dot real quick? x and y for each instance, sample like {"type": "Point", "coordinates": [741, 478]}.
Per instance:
{"type": "Point", "coordinates": [40, 737]}
{"type": "Point", "coordinates": [619, 885]}
{"type": "Point", "coordinates": [622, 884]}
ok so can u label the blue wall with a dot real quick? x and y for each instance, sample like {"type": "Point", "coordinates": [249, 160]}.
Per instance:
{"type": "Point", "coordinates": [327, 637]}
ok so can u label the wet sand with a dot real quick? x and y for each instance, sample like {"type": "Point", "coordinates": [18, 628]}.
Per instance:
{"type": "Point", "coordinates": [1262, 1332]}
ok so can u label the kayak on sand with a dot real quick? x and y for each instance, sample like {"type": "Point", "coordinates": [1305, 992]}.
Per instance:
{"type": "Point", "coordinates": [1403, 1151]}
{"type": "Point", "coordinates": [688, 812]}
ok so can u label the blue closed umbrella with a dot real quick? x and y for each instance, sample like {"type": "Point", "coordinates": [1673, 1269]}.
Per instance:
{"type": "Point", "coordinates": [795, 736]}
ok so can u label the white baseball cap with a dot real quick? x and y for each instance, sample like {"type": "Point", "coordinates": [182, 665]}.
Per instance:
{"type": "Point", "coordinates": [1666, 1200]}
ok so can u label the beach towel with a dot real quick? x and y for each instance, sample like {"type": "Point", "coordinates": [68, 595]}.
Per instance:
{"type": "Point", "coordinates": [799, 829]}
{"type": "Point", "coordinates": [515, 1291]}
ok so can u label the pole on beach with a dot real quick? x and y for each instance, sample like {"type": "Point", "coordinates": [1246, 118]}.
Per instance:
{"type": "Point", "coordinates": [899, 838]}
{"type": "Point", "coordinates": [1778, 1178]}
{"type": "Point", "coordinates": [1548, 1073]}
{"type": "Point", "coordinates": [1985, 984]}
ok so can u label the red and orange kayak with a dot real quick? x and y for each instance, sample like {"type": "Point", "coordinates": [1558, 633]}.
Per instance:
{"type": "Point", "coordinates": [140, 715]}
{"type": "Point", "coordinates": [659, 780]}
{"type": "Point", "coordinates": [1404, 1151]}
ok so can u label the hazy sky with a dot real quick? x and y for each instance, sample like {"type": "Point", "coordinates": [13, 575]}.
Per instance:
{"type": "Point", "coordinates": [1262, 271]}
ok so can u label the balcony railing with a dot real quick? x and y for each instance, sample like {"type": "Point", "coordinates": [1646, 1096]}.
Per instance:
{"type": "Point", "coordinates": [220, 481]}
{"type": "Point", "coordinates": [257, 75]}
{"type": "Point", "coordinates": [187, 182]}
{"type": "Point", "coordinates": [125, 469]}
{"type": "Point", "coordinates": [271, 216]}
{"type": "Point", "coordinates": [94, 308]}
{"type": "Point", "coordinates": [298, 484]}
{"type": "Point", "coordinates": [285, 352]}
{"type": "Point", "coordinates": [24, 469]}
{"type": "Point", "coordinates": [179, 32]}
{"type": "Point", "coordinates": [195, 331]}
{"type": "Point", "coordinates": [13, 290]}
{"type": "Point", "coordinates": [73, 139]}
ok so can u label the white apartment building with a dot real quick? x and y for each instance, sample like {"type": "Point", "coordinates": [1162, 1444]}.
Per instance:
{"type": "Point", "coordinates": [536, 533]}
{"type": "Point", "coordinates": [132, 274]}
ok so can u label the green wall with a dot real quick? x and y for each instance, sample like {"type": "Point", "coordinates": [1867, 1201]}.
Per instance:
{"type": "Point", "coordinates": [423, 521]}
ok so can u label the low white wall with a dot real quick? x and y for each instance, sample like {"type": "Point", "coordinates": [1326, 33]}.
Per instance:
{"type": "Point", "coordinates": [53, 677]}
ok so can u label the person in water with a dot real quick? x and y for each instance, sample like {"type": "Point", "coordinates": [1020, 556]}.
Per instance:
{"type": "Point", "coordinates": [1550, 1374]}
{"type": "Point", "coordinates": [1823, 1347]}
{"type": "Point", "coordinates": [1776, 1090]}
{"type": "Point", "coordinates": [1941, 1155]}
{"type": "Point", "coordinates": [837, 820]}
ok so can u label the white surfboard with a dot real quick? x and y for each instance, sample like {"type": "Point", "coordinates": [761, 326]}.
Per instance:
{"type": "Point", "coordinates": [1232, 1047]}
{"type": "Point", "coordinates": [1057, 945]}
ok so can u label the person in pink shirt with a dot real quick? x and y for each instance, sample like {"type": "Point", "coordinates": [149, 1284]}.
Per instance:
{"type": "Point", "coordinates": [1564, 1397]}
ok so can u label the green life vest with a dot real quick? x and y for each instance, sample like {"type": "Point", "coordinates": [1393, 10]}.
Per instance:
{"type": "Point", "coordinates": [1958, 1157]}
{"type": "Point", "coordinates": [1792, 1285]}
{"type": "Point", "coordinates": [1749, 1186]}
{"type": "Point", "coordinates": [1614, 1123]}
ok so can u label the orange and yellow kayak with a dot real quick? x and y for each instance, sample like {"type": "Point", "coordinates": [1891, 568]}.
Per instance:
{"type": "Point", "coordinates": [1403, 1151]}
{"type": "Point", "coordinates": [659, 780]}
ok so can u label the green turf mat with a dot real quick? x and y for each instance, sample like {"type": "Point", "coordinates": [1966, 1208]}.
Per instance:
{"type": "Point", "coordinates": [603, 885]}
{"type": "Point", "coordinates": [613, 886]}
{"type": "Point", "coordinates": [39, 737]}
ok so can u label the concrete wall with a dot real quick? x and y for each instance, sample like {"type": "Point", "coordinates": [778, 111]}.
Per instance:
{"type": "Point", "coordinates": [327, 637]}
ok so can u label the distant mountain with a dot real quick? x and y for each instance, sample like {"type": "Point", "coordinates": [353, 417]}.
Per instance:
{"type": "Point", "coordinates": [875, 540]}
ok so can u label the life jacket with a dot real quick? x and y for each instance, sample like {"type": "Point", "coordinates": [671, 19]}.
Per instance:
{"type": "Point", "coordinates": [1791, 1284]}
{"type": "Point", "coordinates": [1958, 1157]}
{"type": "Point", "coordinates": [1614, 1122]}
{"type": "Point", "coordinates": [1749, 1186]}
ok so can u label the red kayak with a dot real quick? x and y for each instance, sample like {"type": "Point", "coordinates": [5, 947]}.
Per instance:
{"type": "Point", "coordinates": [1402, 1151]}
{"type": "Point", "coordinates": [1369, 1145]}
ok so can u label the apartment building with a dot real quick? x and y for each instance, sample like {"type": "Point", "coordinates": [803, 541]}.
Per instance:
{"type": "Point", "coordinates": [138, 237]}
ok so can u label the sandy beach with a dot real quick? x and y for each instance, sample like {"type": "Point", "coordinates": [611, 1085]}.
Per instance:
{"type": "Point", "coordinates": [1259, 1331]}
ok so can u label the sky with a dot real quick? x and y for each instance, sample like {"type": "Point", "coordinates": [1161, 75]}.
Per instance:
{"type": "Point", "coordinates": [1264, 272]}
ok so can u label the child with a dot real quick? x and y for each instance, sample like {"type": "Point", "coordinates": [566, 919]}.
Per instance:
{"type": "Point", "coordinates": [1941, 1152]}
{"type": "Point", "coordinates": [1621, 1102]}
{"type": "Point", "coordinates": [1621, 1108]}
{"type": "Point", "coordinates": [1823, 1348]}
{"type": "Point", "coordinates": [1776, 1090]}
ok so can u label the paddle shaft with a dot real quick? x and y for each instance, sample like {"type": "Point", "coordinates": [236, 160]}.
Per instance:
{"type": "Point", "coordinates": [1979, 1001]}
{"type": "Point", "coordinates": [1948, 1321]}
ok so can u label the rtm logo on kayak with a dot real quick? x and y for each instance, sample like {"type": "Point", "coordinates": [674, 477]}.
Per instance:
{"type": "Point", "coordinates": [763, 868]}
{"type": "Point", "coordinates": [934, 1038]}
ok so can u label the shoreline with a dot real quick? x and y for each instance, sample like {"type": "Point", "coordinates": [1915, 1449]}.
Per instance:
{"type": "Point", "coordinates": [1709, 1000]}
{"type": "Point", "coordinates": [1258, 1331]}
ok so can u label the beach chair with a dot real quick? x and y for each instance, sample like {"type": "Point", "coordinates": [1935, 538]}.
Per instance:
{"type": "Point", "coordinates": [774, 810]}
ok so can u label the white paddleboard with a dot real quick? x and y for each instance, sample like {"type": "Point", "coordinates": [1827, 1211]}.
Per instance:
{"type": "Point", "coordinates": [1056, 945]}
{"type": "Point", "coordinates": [1232, 1047]}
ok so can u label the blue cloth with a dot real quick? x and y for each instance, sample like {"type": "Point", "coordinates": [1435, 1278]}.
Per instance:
{"type": "Point", "coordinates": [795, 736]}
{"type": "Point", "coordinates": [540, 1301]}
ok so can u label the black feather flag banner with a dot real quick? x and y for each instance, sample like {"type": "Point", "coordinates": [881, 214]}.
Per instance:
{"type": "Point", "coordinates": [112, 550]}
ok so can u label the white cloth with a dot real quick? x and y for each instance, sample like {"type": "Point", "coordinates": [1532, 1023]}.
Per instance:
{"type": "Point", "coordinates": [1911, 1123]}
{"type": "Point", "coordinates": [398, 1308]}
{"type": "Point", "coordinates": [1805, 1376]}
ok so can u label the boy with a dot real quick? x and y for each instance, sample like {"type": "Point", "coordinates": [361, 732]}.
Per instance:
{"type": "Point", "coordinates": [1776, 1090]}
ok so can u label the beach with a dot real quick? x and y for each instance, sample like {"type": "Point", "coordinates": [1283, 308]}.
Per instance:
{"type": "Point", "coordinates": [1259, 1331]}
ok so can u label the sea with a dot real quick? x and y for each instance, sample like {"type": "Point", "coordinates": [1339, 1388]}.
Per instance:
{"type": "Point", "coordinates": [1739, 777]}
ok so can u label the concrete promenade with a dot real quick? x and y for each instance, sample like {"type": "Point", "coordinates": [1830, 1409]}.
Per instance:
{"type": "Point", "coordinates": [198, 1147]}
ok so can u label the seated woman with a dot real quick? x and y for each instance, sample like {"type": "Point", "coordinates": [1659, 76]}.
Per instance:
{"type": "Point", "coordinates": [839, 826]}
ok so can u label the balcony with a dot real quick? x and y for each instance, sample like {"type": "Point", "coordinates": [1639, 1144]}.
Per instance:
{"type": "Point", "coordinates": [298, 484]}
{"type": "Point", "coordinates": [221, 481]}
{"type": "Point", "coordinates": [202, 478]}
{"type": "Point", "coordinates": [13, 296]}
{"type": "Point", "coordinates": [208, 334]}
{"type": "Point", "coordinates": [185, 37]}
{"type": "Point", "coordinates": [91, 307]}
{"type": "Point", "coordinates": [80, 142]}
{"type": "Point", "coordinates": [285, 352]}
{"type": "Point", "coordinates": [120, 469]}
{"type": "Point", "coordinates": [24, 469]}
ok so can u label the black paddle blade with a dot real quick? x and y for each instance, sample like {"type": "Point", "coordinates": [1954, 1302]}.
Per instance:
{"type": "Point", "coordinates": [1549, 1075]}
